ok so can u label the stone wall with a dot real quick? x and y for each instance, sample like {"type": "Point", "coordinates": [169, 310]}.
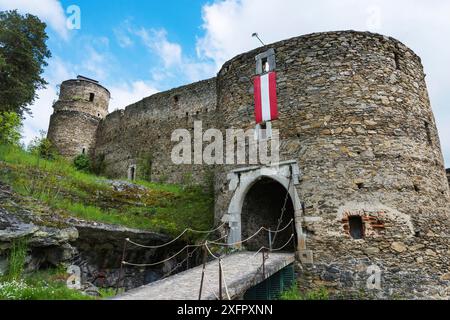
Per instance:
{"type": "Point", "coordinates": [71, 132]}
{"type": "Point", "coordinates": [355, 115]}
{"type": "Point", "coordinates": [77, 113]}
{"type": "Point", "coordinates": [141, 134]}
{"type": "Point", "coordinates": [448, 175]}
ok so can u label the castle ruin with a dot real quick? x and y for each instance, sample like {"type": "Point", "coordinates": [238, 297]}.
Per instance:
{"type": "Point", "coordinates": [360, 156]}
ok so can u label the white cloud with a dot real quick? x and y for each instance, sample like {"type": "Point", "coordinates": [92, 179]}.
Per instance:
{"type": "Point", "coordinates": [95, 64]}
{"type": "Point", "coordinates": [156, 41]}
{"type": "Point", "coordinates": [50, 11]}
{"type": "Point", "coordinates": [57, 71]}
{"type": "Point", "coordinates": [424, 26]}
{"type": "Point", "coordinates": [124, 94]}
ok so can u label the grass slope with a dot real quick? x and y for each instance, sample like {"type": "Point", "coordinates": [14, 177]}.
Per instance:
{"type": "Point", "coordinates": [58, 186]}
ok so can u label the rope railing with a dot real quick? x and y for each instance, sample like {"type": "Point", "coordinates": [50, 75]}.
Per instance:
{"type": "Point", "coordinates": [252, 236]}
{"type": "Point", "coordinates": [176, 238]}
{"type": "Point", "coordinates": [162, 261]}
{"type": "Point", "coordinates": [278, 249]}
{"type": "Point", "coordinates": [207, 250]}
{"type": "Point", "coordinates": [279, 230]}
{"type": "Point", "coordinates": [189, 255]}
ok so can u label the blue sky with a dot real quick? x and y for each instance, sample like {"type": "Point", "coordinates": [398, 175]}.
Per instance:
{"type": "Point", "coordinates": [136, 48]}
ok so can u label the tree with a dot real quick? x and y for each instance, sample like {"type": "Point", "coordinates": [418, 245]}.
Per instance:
{"type": "Point", "coordinates": [10, 125]}
{"type": "Point", "coordinates": [23, 54]}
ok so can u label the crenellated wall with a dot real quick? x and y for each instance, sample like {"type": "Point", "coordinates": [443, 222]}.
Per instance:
{"type": "Point", "coordinates": [142, 132]}
{"type": "Point", "coordinates": [354, 119]}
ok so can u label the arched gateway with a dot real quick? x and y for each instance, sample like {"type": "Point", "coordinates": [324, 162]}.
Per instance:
{"type": "Point", "coordinates": [260, 193]}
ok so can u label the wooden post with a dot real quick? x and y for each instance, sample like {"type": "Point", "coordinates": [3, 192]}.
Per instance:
{"type": "Point", "coordinates": [293, 236]}
{"type": "Point", "coordinates": [264, 264]}
{"type": "Point", "coordinates": [270, 240]}
{"type": "Point", "coordinates": [220, 279]}
{"type": "Point", "coordinates": [121, 266]}
{"type": "Point", "coordinates": [187, 258]}
{"type": "Point", "coordinates": [203, 273]}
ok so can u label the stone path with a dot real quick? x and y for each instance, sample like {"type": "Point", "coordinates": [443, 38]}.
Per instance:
{"type": "Point", "coordinates": [240, 273]}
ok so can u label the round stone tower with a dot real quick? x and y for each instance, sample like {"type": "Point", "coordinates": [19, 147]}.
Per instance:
{"type": "Point", "coordinates": [82, 104]}
{"type": "Point", "coordinates": [359, 153]}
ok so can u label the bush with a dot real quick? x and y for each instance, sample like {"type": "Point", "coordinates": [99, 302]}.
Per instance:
{"type": "Point", "coordinates": [10, 125]}
{"type": "Point", "coordinates": [82, 163]}
{"type": "Point", "coordinates": [42, 147]}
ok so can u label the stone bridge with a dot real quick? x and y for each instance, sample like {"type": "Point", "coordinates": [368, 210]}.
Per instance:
{"type": "Point", "coordinates": [241, 271]}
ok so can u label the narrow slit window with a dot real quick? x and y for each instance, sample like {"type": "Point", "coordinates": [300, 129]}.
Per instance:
{"type": "Point", "coordinates": [83, 151]}
{"type": "Point", "coordinates": [356, 227]}
{"type": "Point", "coordinates": [91, 97]}
{"type": "Point", "coordinates": [397, 61]}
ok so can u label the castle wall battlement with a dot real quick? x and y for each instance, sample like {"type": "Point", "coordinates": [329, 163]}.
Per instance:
{"type": "Point", "coordinates": [143, 131]}
{"type": "Point", "coordinates": [354, 117]}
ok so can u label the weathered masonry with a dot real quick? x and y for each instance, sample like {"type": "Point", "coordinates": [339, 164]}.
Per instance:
{"type": "Point", "coordinates": [360, 157]}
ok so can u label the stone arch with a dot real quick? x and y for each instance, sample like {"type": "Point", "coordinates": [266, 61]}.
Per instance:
{"type": "Point", "coordinates": [242, 182]}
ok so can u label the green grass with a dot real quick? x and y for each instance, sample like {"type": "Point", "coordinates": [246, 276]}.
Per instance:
{"type": "Point", "coordinates": [45, 285]}
{"type": "Point", "coordinates": [57, 184]}
{"type": "Point", "coordinates": [42, 285]}
{"type": "Point", "coordinates": [16, 259]}
{"type": "Point", "coordinates": [294, 293]}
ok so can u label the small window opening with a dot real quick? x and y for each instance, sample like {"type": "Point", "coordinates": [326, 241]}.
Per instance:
{"type": "Point", "coordinates": [187, 114]}
{"type": "Point", "coordinates": [176, 98]}
{"type": "Point", "coordinates": [360, 185]}
{"type": "Point", "coordinates": [416, 188]}
{"type": "Point", "coordinates": [83, 151]}
{"type": "Point", "coordinates": [428, 131]}
{"type": "Point", "coordinates": [356, 227]}
{"type": "Point", "coordinates": [91, 97]}
{"type": "Point", "coordinates": [397, 61]}
{"type": "Point", "coordinates": [132, 173]}
{"type": "Point", "coordinates": [265, 65]}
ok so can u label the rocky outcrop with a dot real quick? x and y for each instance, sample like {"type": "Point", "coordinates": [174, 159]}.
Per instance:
{"type": "Point", "coordinates": [96, 248]}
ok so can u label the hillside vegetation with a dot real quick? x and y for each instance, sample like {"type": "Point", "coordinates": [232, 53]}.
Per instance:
{"type": "Point", "coordinates": [58, 186]}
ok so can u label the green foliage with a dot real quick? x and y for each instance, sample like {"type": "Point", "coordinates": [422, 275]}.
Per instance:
{"type": "Point", "coordinates": [294, 293]}
{"type": "Point", "coordinates": [16, 259]}
{"type": "Point", "coordinates": [82, 163]}
{"type": "Point", "coordinates": [10, 124]}
{"type": "Point", "coordinates": [45, 285]}
{"type": "Point", "coordinates": [42, 147]}
{"type": "Point", "coordinates": [21, 290]}
{"type": "Point", "coordinates": [59, 185]}
{"type": "Point", "coordinates": [145, 163]}
{"type": "Point", "coordinates": [23, 54]}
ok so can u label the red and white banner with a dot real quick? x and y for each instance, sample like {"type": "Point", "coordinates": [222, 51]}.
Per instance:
{"type": "Point", "coordinates": [266, 105]}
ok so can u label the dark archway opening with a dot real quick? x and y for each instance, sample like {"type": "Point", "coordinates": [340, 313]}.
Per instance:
{"type": "Point", "coordinates": [262, 207]}
{"type": "Point", "coordinates": [133, 173]}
